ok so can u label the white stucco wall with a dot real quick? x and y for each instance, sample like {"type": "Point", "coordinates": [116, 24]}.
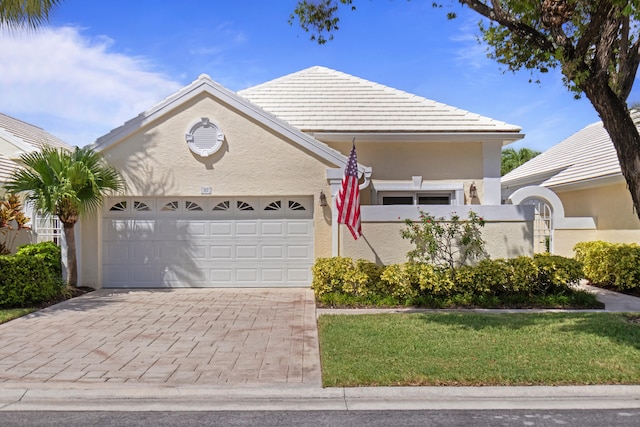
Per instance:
{"type": "Point", "coordinates": [253, 161]}
{"type": "Point", "coordinates": [612, 210]}
{"type": "Point", "coordinates": [436, 162]}
{"type": "Point", "coordinates": [507, 232]}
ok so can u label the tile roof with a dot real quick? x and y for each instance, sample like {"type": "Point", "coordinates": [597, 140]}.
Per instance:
{"type": "Point", "coordinates": [586, 155]}
{"type": "Point", "coordinates": [320, 99]}
{"type": "Point", "coordinates": [29, 135]}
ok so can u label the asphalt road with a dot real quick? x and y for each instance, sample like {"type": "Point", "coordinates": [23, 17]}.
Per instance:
{"type": "Point", "coordinates": [581, 418]}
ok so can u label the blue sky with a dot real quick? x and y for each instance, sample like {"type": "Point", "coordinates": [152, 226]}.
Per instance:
{"type": "Point", "coordinates": [100, 63]}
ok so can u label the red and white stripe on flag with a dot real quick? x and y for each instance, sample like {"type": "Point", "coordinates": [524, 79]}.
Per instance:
{"type": "Point", "coordinates": [348, 202]}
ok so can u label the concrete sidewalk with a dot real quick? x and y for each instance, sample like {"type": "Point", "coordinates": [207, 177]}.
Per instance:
{"type": "Point", "coordinates": [613, 301]}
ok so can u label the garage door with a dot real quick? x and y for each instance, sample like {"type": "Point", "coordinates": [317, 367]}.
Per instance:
{"type": "Point", "coordinates": [207, 242]}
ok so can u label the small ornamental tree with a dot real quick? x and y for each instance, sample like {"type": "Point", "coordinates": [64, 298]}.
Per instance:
{"type": "Point", "coordinates": [446, 243]}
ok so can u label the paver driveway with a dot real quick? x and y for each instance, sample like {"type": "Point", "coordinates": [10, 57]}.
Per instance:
{"type": "Point", "coordinates": [171, 337]}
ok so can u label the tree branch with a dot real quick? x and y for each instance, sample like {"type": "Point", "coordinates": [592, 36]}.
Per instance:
{"type": "Point", "coordinates": [629, 69]}
{"type": "Point", "coordinates": [497, 14]}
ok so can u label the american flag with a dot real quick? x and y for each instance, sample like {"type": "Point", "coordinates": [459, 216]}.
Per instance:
{"type": "Point", "coordinates": [349, 197]}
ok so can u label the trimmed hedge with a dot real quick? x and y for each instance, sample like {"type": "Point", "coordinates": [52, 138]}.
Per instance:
{"type": "Point", "coordinates": [341, 280]}
{"type": "Point", "coordinates": [611, 265]}
{"type": "Point", "coordinates": [30, 277]}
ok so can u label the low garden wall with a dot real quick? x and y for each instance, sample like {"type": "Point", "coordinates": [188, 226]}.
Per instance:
{"type": "Point", "coordinates": [508, 231]}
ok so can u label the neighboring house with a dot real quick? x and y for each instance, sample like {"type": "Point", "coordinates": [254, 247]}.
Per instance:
{"type": "Point", "coordinates": [17, 138]}
{"type": "Point", "coordinates": [579, 184]}
{"type": "Point", "coordinates": [7, 166]}
{"type": "Point", "coordinates": [237, 189]}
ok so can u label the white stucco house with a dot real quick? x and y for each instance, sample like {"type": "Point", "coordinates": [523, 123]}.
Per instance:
{"type": "Point", "coordinates": [17, 138]}
{"type": "Point", "coordinates": [579, 189]}
{"type": "Point", "coordinates": [237, 189]}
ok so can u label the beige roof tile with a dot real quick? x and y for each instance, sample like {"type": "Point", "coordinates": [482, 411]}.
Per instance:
{"type": "Point", "coordinates": [586, 155]}
{"type": "Point", "coordinates": [29, 134]}
{"type": "Point", "coordinates": [320, 99]}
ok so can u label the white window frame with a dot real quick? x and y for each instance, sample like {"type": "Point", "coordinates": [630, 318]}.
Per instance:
{"type": "Point", "coordinates": [417, 188]}
{"type": "Point", "coordinates": [415, 195]}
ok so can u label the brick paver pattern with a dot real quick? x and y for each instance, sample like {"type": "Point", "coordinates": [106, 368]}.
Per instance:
{"type": "Point", "coordinates": [170, 337]}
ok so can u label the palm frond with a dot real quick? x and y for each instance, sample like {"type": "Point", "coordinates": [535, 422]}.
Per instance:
{"type": "Point", "coordinates": [64, 183]}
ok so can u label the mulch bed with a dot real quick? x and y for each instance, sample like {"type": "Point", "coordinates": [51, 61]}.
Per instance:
{"type": "Point", "coordinates": [67, 294]}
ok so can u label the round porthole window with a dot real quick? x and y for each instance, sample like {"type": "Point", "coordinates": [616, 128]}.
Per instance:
{"type": "Point", "coordinates": [204, 138]}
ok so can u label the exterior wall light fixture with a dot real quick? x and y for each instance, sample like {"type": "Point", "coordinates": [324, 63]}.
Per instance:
{"type": "Point", "coordinates": [473, 191]}
{"type": "Point", "coordinates": [323, 199]}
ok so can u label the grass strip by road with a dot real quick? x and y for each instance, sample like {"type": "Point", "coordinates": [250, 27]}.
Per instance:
{"type": "Point", "coordinates": [7, 314]}
{"type": "Point", "coordinates": [479, 349]}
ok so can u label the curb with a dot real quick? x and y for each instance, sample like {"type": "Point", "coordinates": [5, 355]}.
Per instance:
{"type": "Point", "coordinates": [18, 397]}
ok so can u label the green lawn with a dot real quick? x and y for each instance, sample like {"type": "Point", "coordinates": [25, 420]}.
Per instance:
{"type": "Point", "coordinates": [479, 349]}
{"type": "Point", "coordinates": [7, 314]}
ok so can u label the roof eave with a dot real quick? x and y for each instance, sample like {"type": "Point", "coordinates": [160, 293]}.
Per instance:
{"type": "Point", "coordinates": [584, 184]}
{"type": "Point", "coordinates": [506, 137]}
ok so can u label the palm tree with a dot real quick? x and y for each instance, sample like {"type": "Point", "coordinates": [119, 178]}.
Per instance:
{"type": "Point", "coordinates": [25, 13]}
{"type": "Point", "coordinates": [511, 158]}
{"type": "Point", "coordinates": [67, 184]}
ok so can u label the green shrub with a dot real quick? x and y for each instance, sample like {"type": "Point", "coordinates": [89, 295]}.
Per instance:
{"type": "Point", "coordinates": [338, 280]}
{"type": "Point", "coordinates": [328, 274]}
{"type": "Point", "coordinates": [341, 274]}
{"type": "Point", "coordinates": [26, 281]}
{"type": "Point", "coordinates": [523, 275]}
{"type": "Point", "coordinates": [555, 273]}
{"type": "Point", "coordinates": [399, 280]}
{"type": "Point", "coordinates": [597, 262]}
{"type": "Point", "coordinates": [610, 264]}
{"type": "Point", "coordinates": [488, 277]}
{"type": "Point", "coordinates": [48, 253]}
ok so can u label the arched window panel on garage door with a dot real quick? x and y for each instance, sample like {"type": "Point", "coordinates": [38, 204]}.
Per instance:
{"type": "Point", "coordinates": [286, 207]}
{"type": "Point", "coordinates": [130, 206]}
{"type": "Point", "coordinates": [245, 205]}
{"type": "Point", "coordinates": [191, 205]}
{"type": "Point", "coordinates": [113, 206]}
{"type": "Point", "coordinates": [299, 207]}
{"type": "Point", "coordinates": [171, 205]}
{"type": "Point", "coordinates": [142, 206]}
{"type": "Point", "coordinates": [223, 206]}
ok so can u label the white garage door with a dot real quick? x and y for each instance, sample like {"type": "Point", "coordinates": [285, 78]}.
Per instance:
{"type": "Point", "coordinates": [207, 242]}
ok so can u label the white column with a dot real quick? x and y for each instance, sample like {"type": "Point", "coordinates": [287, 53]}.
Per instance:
{"type": "Point", "coordinates": [491, 156]}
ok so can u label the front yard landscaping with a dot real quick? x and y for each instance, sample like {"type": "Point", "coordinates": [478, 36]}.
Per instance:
{"type": "Point", "coordinates": [7, 314]}
{"type": "Point", "coordinates": [456, 349]}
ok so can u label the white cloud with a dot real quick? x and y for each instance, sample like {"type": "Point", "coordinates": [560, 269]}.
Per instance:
{"type": "Point", "coordinates": [73, 86]}
{"type": "Point", "coordinates": [469, 52]}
